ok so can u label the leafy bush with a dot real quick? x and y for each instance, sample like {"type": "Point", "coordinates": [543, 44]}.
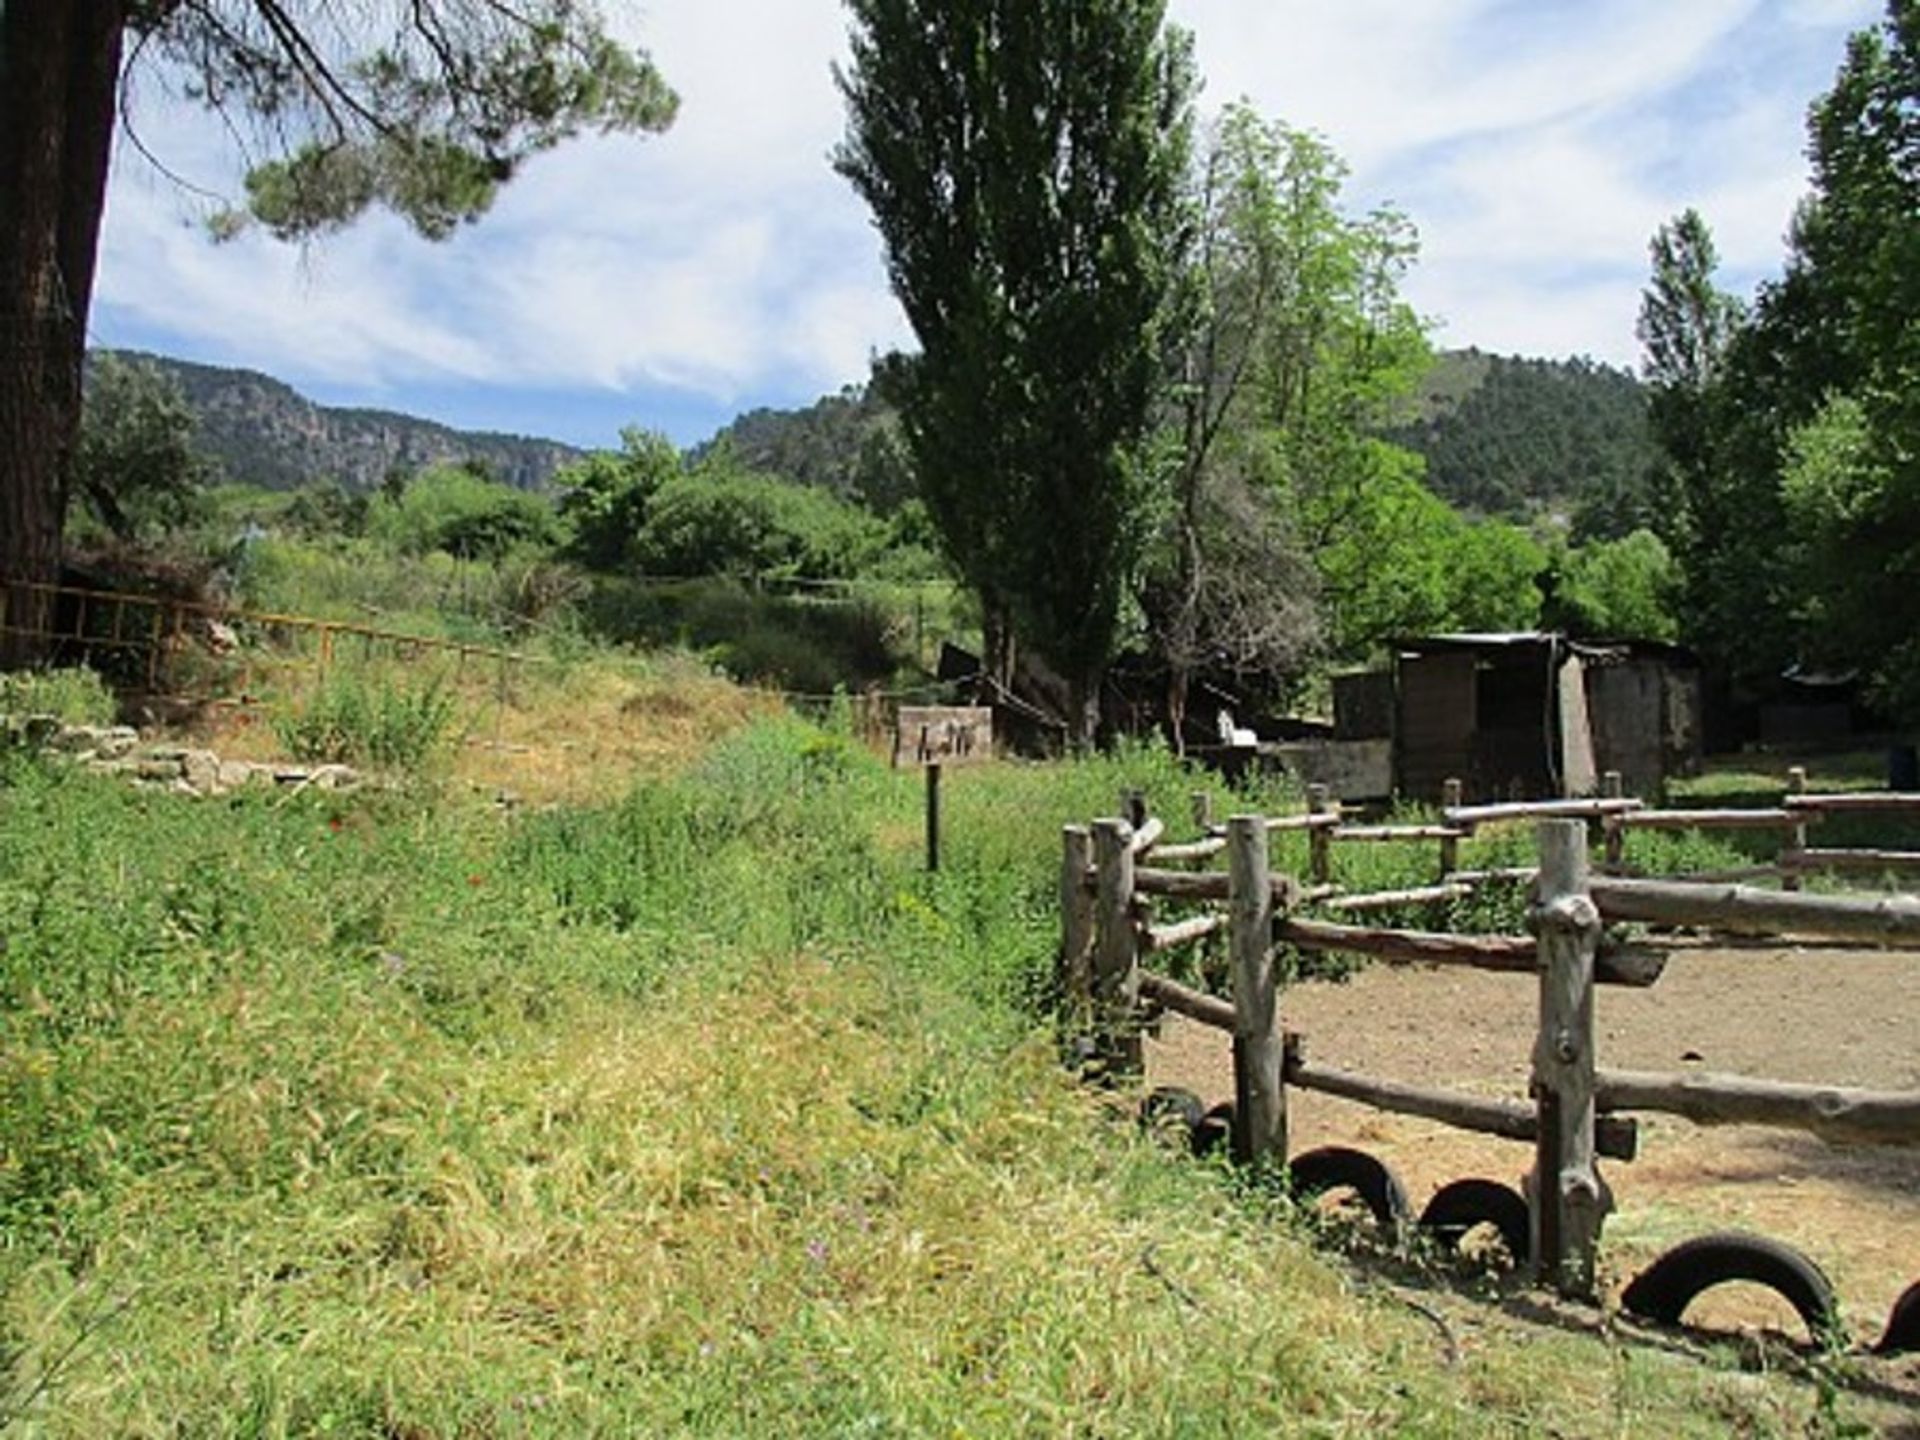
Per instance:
{"type": "Point", "coordinates": [453, 509]}
{"type": "Point", "coordinates": [377, 723]}
{"type": "Point", "coordinates": [717, 520]}
{"type": "Point", "coordinates": [77, 695]}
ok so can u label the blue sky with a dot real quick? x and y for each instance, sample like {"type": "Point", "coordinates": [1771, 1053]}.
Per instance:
{"type": "Point", "coordinates": [674, 281]}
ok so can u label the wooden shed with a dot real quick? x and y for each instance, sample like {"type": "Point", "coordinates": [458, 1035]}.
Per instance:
{"type": "Point", "coordinates": [1532, 714]}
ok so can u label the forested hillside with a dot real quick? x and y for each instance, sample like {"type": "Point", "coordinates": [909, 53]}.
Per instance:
{"type": "Point", "coordinates": [1508, 435]}
{"type": "Point", "coordinates": [1502, 435]}
{"type": "Point", "coordinates": [264, 432]}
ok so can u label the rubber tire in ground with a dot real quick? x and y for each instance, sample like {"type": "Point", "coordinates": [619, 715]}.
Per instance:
{"type": "Point", "coordinates": [1335, 1167]}
{"type": "Point", "coordinates": [1457, 1208]}
{"type": "Point", "coordinates": [1215, 1129]}
{"type": "Point", "coordinates": [1665, 1288]}
{"type": "Point", "coordinates": [1902, 1336]}
{"type": "Point", "coordinates": [1173, 1111]}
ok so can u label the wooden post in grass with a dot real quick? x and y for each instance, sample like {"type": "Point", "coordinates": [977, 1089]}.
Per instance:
{"type": "Point", "coordinates": [1565, 1201]}
{"type": "Point", "coordinates": [1116, 963]}
{"type": "Point", "coordinates": [1452, 796]}
{"type": "Point", "coordinates": [1613, 787]}
{"type": "Point", "coordinates": [1319, 842]}
{"type": "Point", "coordinates": [1133, 808]}
{"type": "Point", "coordinates": [1202, 810]}
{"type": "Point", "coordinates": [1260, 1101]}
{"type": "Point", "coordinates": [1797, 839]}
{"type": "Point", "coordinates": [1076, 919]}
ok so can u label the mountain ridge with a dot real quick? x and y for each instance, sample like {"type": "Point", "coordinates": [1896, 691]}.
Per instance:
{"type": "Point", "coordinates": [264, 432]}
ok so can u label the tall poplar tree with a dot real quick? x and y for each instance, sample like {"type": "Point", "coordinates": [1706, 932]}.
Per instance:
{"type": "Point", "coordinates": [1024, 162]}
{"type": "Point", "coordinates": [423, 106]}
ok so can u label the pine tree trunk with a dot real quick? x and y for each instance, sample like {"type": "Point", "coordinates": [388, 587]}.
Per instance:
{"type": "Point", "coordinates": [59, 69]}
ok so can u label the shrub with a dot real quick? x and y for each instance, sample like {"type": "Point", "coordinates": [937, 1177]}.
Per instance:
{"type": "Point", "coordinates": [78, 695]}
{"type": "Point", "coordinates": [378, 723]}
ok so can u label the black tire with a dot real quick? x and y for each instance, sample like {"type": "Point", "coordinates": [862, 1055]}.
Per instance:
{"type": "Point", "coordinates": [1457, 1208]}
{"type": "Point", "coordinates": [1337, 1168]}
{"type": "Point", "coordinates": [1172, 1112]}
{"type": "Point", "coordinates": [1215, 1129]}
{"type": "Point", "coordinates": [1665, 1288]}
{"type": "Point", "coordinates": [1902, 1335]}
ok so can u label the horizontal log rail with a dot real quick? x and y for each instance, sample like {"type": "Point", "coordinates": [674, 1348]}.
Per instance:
{"type": "Point", "coordinates": [1632, 966]}
{"type": "Point", "coordinates": [1869, 861]}
{"type": "Point", "coordinates": [1854, 800]}
{"type": "Point", "coordinates": [1474, 815]}
{"type": "Point", "coordinates": [1148, 835]}
{"type": "Point", "coordinates": [1196, 1005]}
{"type": "Point", "coordinates": [1891, 920]}
{"type": "Point", "coordinates": [1325, 820]}
{"type": "Point", "coordinates": [1614, 1137]}
{"type": "Point", "coordinates": [1191, 850]}
{"type": "Point", "coordinates": [1511, 874]}
{"type": "Point", "coordinates": [1390, 899]}
{"type": "Point", "coordinates": [1348, 834]}
{"type": "Point", "coordinates": [1156, 938]}
{"type": "Point", "coordinates": [1700, 877]}
{"type": "Point", "coordinates": [1873, 1117]}
{"type": "Point", "coordinates": [1778, 819]}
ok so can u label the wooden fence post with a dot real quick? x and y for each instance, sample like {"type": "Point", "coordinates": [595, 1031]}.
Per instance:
{"type": "Point", "coordinates": [1612, 827]}
{"type": "Point", "coordinates": [1133, 807]}
{"type": "Point", "coordinates": [1259, 1075]}
{"type": "Point", "coordinates": [1452, 796]}
{"type": "Point", "coordinates": [1797, 837]}
{"type": "Point", "coordinates": [1076, 920]}
{"type": "Point", "coordinates": [1319, 842]}
{"type": "Point", "coordinates": [1116, 970]}
{"type": "Point", "coordinates": [1202, 810]}
{"type": "Point", "coordinates": [1566, 1199]}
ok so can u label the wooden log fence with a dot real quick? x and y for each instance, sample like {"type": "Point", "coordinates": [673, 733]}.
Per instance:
{"type": "Point", "coordinates": [1578, 1111]}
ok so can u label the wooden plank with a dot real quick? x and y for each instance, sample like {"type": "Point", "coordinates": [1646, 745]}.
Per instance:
{"type": "Point", "coordinates": [1566, 1204]}
{"type": "Point", "coordinates": [1319, 852]}
{"type": "Point", "coordinates": [1260, 1108]}
{"type": "Point", "coordinates": [1711, 819]}
{"type": "Point", "coordinates": [1164, 937]}
{"type": "Point", "coordinates": [1510, 873]}
{"type": "Point", "coordinates": [1196, 1005]}
{"type": "Point", "coordinates": [1857, 861]}
{"type": "Point", "coordinates": [1510, 1119]}
{"type": "Point", "coordinates": [1630, 966]}
{"type": "Point", "coordinates": [943, 735]}
{"type": "Point", "coordinates": [1453, 795]}
{"type": "Point", "coordinates": [1475, 815]}
{"type": "Point", "coordinates": [1744, 910]}
{"type": "Point", "coordinates": [1871, 1117]}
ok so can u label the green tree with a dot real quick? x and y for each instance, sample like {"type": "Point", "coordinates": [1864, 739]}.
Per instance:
{"type": "Point", "coordinates": [457, 509]}
{"type": "Point", "coordinates": [604, 498]}
{"type": "Point", "coordinates": [425, 108]}
{"type": "Point", "coordinates": [717, 519]}
{"type": "Point", "coordinates": [1023, 160]}
{"type": "Point", "coordinates": [1616, 589]}
{"type": "Point", "coordinates": [137, 470]}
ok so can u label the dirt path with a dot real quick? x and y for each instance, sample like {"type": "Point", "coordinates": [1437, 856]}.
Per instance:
{"type": "Point", "coordinates": [1814, 1014]}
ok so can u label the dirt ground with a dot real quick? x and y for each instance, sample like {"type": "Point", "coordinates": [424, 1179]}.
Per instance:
{"type": "Point", "coordinates": [1812, 1014]}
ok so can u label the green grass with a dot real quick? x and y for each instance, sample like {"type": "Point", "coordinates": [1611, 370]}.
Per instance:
{"type": "Point", "coordinates": [76, 696]}
{"type": "Point", "coordinates": [706, 1112]}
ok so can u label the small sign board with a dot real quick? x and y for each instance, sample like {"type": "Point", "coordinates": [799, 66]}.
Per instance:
{"type": "Point", "coordinates": [943, 735]}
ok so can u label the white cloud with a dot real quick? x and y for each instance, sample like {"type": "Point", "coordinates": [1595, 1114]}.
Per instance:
{"type": "Point", "coordinates": [1536, 144]}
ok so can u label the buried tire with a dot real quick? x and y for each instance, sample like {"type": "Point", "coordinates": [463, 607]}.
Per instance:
{"type": "Point", "coordinates": [1172, 1112]}
{"type": "Point", "coordinates": [1457, 1208]}
{"type": "Point", "coordinates": [1665, 1288]}
{"type": "Point", "coordinates": [1902, 1335]}
{"type": "Point", "coordinates": [1335, 1167]}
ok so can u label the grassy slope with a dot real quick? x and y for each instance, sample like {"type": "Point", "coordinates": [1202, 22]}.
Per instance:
{"type": "Point", "coordinates": [703, 1112]}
